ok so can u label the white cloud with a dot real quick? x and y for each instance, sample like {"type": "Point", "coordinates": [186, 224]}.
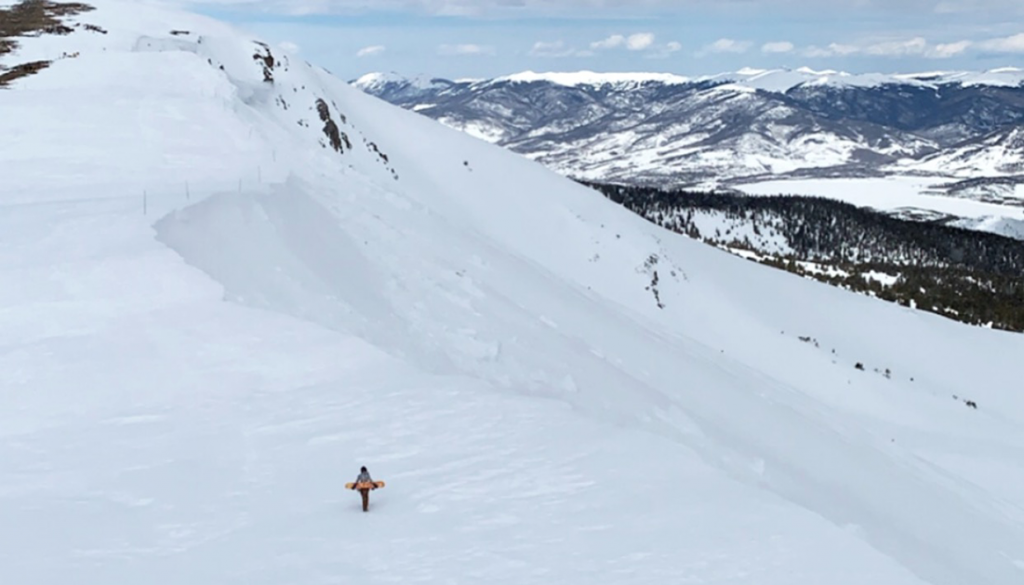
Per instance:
{"type": "Point", "coordinates": [947, 50]}
{"type": "Point", "coordinates": [371, 51]}
{"type": "Point", "coordinates": [914, 46]}
{"type": "Point", "coordinates": [640, 41]}
{"type": "Point", "coordinates": [1014, 44]}
{"type": "Point", "coordinates": [727, 46]}
{"type": "Point", "coordinates": [777, 47]}
{"type": "Point", "coordinates": [557, 49]}
{"type": "Point", "coordinates": [917, 46]}
{"type": "Point", "coordinates": [634, 42]}
{"type": "Point", "coordinates": [465, 50]}
{"type": "Point", "coordinates": [289, 47]}
{"type": "Point", "coordinates": [843, 50]}
{"type": "Point", "coordinates": [832, 50]}
{"type": "Point", "coordinates": [611, 42]}
{"type": "Point", "coordinates": [664, 51]}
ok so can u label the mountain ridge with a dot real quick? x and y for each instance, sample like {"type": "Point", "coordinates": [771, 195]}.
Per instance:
{"type": "Point", "coordinates": [769, 79]}
{"type": "Point", "coordinates": [638, 128]}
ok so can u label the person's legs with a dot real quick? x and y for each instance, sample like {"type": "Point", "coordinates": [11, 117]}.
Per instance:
{"type": "Point", "coordinates": [366, 498]}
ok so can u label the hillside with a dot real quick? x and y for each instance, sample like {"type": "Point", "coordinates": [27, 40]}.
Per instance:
{"type": "Point", "coordinates": [228, 279]}
{"type": "Point", "coordinates": [948, 268]}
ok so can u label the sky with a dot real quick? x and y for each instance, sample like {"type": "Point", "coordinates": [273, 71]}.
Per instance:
{"type": "Point", "coordinates": [487, 38]}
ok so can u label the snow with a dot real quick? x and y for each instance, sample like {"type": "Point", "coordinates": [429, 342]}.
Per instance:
{"type": "Point", "coordinates": [776, 80]}
{"type": "Point", "coordinates": [379, 78]}
{"type": "Point", "coordinates": [581, 78]}
{"type": "Point", "coordinates": [783, 80]}
{"type": "Point", "coordinates": [827, 270]}
{"type": "Point", "coordinates": [372, 81]}
{"type": "Point", "coordinates": [998, 154]}
{"type": "Point", "coordinates": [714, 225]}
{"type": "Point", "coordinates": [881, 277]}
{"type": "Point", "coordinates": [208, 321]}
{"type": "Point", "coordinates": [1004, 226]}
{"type": "Point", "coordinates": [482, 131]}
{"type": "Point", "coordinates": [1003, 76]}
{"type": "Point", "coordinates": [887, 194]}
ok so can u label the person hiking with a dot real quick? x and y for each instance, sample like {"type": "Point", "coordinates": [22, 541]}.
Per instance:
{"type": "Point", "coordinates": [361, 484]}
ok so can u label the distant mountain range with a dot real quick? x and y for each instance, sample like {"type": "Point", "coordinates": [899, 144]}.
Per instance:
{"type": "Point", "coordinates": [739, 127]}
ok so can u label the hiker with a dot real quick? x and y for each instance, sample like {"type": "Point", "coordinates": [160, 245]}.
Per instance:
{"type": "Point", "coordinates": [361, 482]}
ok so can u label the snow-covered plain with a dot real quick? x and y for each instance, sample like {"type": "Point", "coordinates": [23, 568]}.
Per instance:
{"type": "Point", "coordinates": [209, 318]}
{"type": "Point", "coordinates": [901, 193]}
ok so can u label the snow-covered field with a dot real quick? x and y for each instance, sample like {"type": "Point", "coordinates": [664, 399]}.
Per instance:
{"type": "Point", "coordinates": [886, 194]}
{"type": "Point", "coordinates": [209, 320]}
{"type": "Point", "coordinates": [903, 193]}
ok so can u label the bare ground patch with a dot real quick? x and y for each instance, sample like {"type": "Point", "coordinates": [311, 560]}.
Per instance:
{"type": "Point", "coordinates": [34, 18]}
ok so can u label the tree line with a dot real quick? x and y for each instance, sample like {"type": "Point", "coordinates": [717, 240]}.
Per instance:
{"type": "Point", "coordinates": [968, 275]}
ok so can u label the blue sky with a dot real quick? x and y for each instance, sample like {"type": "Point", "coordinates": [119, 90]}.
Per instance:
{"type": "Point", "coordinates": [485, 38]}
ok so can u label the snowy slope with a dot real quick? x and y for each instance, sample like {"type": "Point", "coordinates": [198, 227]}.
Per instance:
{"type": "Point", "coordinates": [210, 316]}
{"type": "Point", "coordinates": [997, 154]}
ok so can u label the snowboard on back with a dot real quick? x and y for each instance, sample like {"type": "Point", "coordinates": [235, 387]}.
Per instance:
{"type": "Point", "coordinates": [366, 485]}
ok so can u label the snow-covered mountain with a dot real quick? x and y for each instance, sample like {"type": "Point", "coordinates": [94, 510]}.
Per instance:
{"type": "Point", "coordinates": [658, 128]}
{"type": "Point", "coordinates": [996, 154]}
{"type": "Point", "coordinates": [228, 279]}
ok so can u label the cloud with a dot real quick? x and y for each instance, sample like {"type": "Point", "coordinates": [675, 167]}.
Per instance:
{"type": "Point", "coordinates": [557, 49]}
{"type": "Point", "coordinates": [726, 46]}
{"type": "Point", "coordinates": [634, 42]}
{"type": "Point", "coordinates": [664, 51]}
{"type": "Point", "coordinates": [914, 46]}
{"type": "Point", "coordinates": [611, 42]}
{"type": "Point", "coordinates": [777, 47]}
{"type": "Point", "coordinates": [640, 41]}
{"type": "Point", "coordinates": [371, 51]}
{"type": "Point", "coordinates": [840, 50]}
{"type": "Point", "coordinates": [1014, 44]}
{"type": "Point", "coordinates": [947, 50]}
{"type": "Point", "coordinates": [843, 50]}
{"type": "Point", "coordinates": [465, 50]}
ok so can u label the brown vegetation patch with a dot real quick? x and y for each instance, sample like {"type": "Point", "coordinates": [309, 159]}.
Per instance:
{"type": "Point", "coordinates": [33, 18]}
{"type": "Point", "coordinates": [23, 70]}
